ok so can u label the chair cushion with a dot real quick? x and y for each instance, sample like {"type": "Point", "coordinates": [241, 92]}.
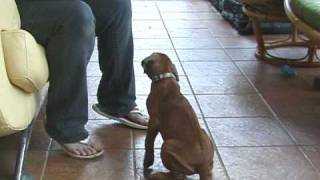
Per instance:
{"type": "Point", "coordinates": [17, 108]}
{"type": "Point", "coordinates": [9, 15]}
{"type": "Point", "coordinates": [25, 60]}
{"type": "Point", "coordinates": [308, 11]}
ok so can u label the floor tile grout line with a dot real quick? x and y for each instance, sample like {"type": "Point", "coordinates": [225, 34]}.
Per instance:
{"type": "Point", "coordinates": [283, 127]}
{"type": "Point", "coordinates": [237, 117]}
{"type": "Point", "coordinates": [201, 48]}
{"type": "Point", "coordinates": [206, 94]}
{"type": "Point", "coordinates": [261, 146]}
{"type": "Point", "coordinates": [275, 116]}
{"type": "Point", "coordinates": [309, 160]}
{"type": "Point", "coordinates": [253, 146]}
{"type": "Point", "coordinates": [107, 149]}
{"type": "Point", "coordinates": [134, 154]}
{"type": "Point", "coordinates": [44, 169]}
{"type": "Point", "coordinates": [157, 38]}
{"type": "Point", "coordinates": [131, 132]}
{"type": "Point", "coordinates": [258, 93]}
{"type": "Point", "coordinates": [220, 94]}
{"type": "Point", "coordinates": [205, 117]}
{"type": "Point", "coordinates": [197, 102]}
{"type": "Point", "coordinates": [199, 106]}
{"type": "Point", "coordinates": [193, 61]}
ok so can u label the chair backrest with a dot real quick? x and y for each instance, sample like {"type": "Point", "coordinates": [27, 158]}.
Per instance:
{"type": "Point", "coordinates": [9, 15]}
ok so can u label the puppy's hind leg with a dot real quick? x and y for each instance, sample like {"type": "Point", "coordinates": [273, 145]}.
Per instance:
{"type": "Point", "coordinates": [173, 158]}
{"type": "Point", "coordinates": [205, 171]}
{"type": "Point", "coordinates": [206, 168]}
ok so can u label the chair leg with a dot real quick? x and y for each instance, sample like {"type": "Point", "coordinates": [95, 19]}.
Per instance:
{"type": "Point", "coordinates": [294, 34]}
{"type": "Point", "coordinates": [259, 38]}
{"type": "Point", "coordinates": [264, 47]}
{"type": "Point", "coordinates": [24, 144]}
{"type": "Point", "coordinates": [312, 52]}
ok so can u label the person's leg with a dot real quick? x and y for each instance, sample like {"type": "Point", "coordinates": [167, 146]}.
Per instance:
{"type": "Point", "coordinates": [67, 31]}
{"type": "Point", "coordinates": [116, 92]}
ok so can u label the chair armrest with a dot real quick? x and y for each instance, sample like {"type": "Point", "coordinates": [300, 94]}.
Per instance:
{"type": "Point", "coordinates": [25, 60]}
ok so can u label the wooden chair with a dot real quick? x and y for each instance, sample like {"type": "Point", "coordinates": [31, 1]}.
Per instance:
{"type": "Point", "coordinates": [310, 31]}
{"type": "Point", "coordinates": [273, 11]}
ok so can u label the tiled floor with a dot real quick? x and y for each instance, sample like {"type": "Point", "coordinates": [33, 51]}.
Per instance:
{"type": "Point", "coordinates": [265, 127]}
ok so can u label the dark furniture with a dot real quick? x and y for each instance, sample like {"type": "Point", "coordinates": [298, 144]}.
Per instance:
{"type": "Point", "coordinates": [231, 10]}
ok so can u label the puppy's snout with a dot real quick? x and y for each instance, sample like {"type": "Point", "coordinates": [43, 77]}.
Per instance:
{"type": "Point", "coordinates": [144, 63]}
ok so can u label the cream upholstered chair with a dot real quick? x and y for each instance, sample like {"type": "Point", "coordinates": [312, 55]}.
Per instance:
{"type": "Point", "coordinates": [23, 78]}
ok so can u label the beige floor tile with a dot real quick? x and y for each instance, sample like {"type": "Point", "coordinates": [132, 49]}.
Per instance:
{"type": "Point", "coordinates": [152, 44]}
{"type": "Point", "coordinates": [232, 105]}
{"type": "Point", "coordinates": [112, 134]}
{"type": "Point", "coordinates": [221, 84]}
{"type": "Point", "coordinates": [270, 163]}
{"type": "Point", "coordinates": [114, 164]}
{"type": "Point", "coordinates": [203, 55]}
{"type": "Point", "coordinates": [34, 163]}
{"type": "Point", "coordinates": [210, 68]}
{"type": "Point", "coordinates": [248, 132]}
{"type": "Point", "coordinates": [218, 171]}
{"type": "Point", "coordinates": [195, 43]}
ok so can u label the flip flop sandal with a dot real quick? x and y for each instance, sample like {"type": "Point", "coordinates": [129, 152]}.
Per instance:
{"type": "Point", "coordinates": [84, 142]}
{"type": "Point", "coordinates": [122, 120]}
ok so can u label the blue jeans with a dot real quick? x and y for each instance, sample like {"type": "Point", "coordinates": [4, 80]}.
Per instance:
{"type": "Point", "coordinates": [67, 29]}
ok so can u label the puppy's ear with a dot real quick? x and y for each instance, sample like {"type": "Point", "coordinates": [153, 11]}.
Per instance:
{"type": "Point", "coordinates": [174, 71]}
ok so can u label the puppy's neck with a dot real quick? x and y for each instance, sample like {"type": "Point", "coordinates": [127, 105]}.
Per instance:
{"type": "Point", "coordinates": [165, 87]}
{"type": "Point", "coordinates": [162, 76]}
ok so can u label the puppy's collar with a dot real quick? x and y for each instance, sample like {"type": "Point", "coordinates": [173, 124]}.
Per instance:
{"type": "Point", "coordinates": [163, 76]}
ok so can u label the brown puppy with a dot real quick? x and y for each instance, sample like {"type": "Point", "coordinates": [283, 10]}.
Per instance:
{"type": "Point", "coordinates": [187, 149]}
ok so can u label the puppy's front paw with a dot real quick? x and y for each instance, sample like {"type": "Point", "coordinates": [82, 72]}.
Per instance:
{"type": "Point", "coordinates": [148, 160]}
